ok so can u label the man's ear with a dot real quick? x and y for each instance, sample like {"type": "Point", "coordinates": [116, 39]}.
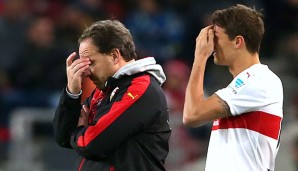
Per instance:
{"type": "Point", "coordinates": [239, 41]}
{"type": "Point", "coordinates": [115, 53]}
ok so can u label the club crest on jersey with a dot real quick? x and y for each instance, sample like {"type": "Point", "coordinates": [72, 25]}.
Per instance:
{"type": "Point", "coordinates": [216, 122]}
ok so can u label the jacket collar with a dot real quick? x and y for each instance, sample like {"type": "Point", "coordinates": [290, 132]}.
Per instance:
{"type": "Point", "coordinates": [147, 64]}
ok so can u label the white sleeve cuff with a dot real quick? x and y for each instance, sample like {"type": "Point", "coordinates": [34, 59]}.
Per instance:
{"type": "Point", "coordinates": [74, 96]}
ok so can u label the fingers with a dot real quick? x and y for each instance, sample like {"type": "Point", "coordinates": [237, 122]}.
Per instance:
{"type": "Point", "coordinates": [205, 43]}
{"type": "Point", "coordinates": [70, 59]}
{"type": "Point", "coordinates": [210, 35]}
{"type": "Point", "coordinates": [206, 33]}
{"type": "Point", "coordinates": [70, 62]}
{"type": "Point", "coordinates": [78, 65]}
{"type": "Point", "coordinates": [75, 71]}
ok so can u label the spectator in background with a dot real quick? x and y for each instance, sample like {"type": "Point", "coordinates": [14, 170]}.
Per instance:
{"type": "Point", "coordinates": [187, 145]}
{"type": "Point", "coordinates": [287, 155]}
{"type": "Point", "coordinates": [70, 26]}
{"type": "Point", "coordinates": [102, 9]}
{"type": "Point", "coordinates": [13, 26]}
{"type": "Point", "coordinates": [177, 73]}
{"type": "Point", "coordinates": [93, 8]}
{"type": "Point", "coordinates": [287, 54]}
{"type": "Point", "coordinates": [282, 19]}
{"type": "Point", "coordinates": [37, 73]}
{"type": "Point", "coordinates": [282, 16]}
{"type": "Point", "coordinates": [39, 69]}
{"type": "Point", "coordinates": [14, 21]}
{"type": "Point", "coordinates": [157, 30]}
{"type": "Point", "coordinates": [48, 8]}
{"type": "Point", "coordinates": [80, 13]}
{"type": "Point", "coordinates": [285, 62]}
{"type": "Point", "coordinates": [35, 76]}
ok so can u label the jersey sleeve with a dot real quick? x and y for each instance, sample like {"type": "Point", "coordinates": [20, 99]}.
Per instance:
{"type": "Point", "coordinates": [244, 94]}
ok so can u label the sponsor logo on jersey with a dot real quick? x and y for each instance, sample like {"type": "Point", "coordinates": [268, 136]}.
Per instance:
{"type": "Point", "coordinates": [232, 89]}
{"type": "Point", "coordinates": [239, 83]}
{"type": "Point", "coordinates": [248, 74]}
{"type": "Point", "coordinates": [131, 95]}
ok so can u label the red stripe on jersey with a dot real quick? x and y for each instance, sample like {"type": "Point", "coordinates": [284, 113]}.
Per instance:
{"type": "Point", "coordinates": [134, 92]}
{"type": "Point", "coordinates": [261, 122]}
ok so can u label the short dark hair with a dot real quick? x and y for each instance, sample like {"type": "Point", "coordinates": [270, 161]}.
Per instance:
{"type": "Point", "coordinates": [109, 34]}
{"type": "Point", "coordinates": [244, 21]}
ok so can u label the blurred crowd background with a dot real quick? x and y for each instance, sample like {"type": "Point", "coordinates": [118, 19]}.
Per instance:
{"type": "Point", "coordinates": [36, 37]}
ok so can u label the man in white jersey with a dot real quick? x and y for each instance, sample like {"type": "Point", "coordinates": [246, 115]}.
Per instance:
{"type": "Point", "coordinates": [247, 114]}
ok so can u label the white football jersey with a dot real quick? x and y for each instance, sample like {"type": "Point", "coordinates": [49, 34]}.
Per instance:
{"type": "Point", "coordinates": [249, 140]}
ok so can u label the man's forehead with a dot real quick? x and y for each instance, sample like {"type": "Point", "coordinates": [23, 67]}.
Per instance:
{"type": "Point", "coordinates": [84, 53]}
{"type": "Point", "coordinates": [86, 49]}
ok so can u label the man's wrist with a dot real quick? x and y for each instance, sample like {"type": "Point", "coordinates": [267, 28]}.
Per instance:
{"type": "Point", "coordinates": [74, 96]}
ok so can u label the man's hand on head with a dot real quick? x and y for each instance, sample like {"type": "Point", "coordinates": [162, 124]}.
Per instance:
{"type": "Point", "coordinates": [76, 69]}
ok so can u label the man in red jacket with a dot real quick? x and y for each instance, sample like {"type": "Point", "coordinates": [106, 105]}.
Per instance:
{"type": "Point", "coordinates": [123, 125]}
